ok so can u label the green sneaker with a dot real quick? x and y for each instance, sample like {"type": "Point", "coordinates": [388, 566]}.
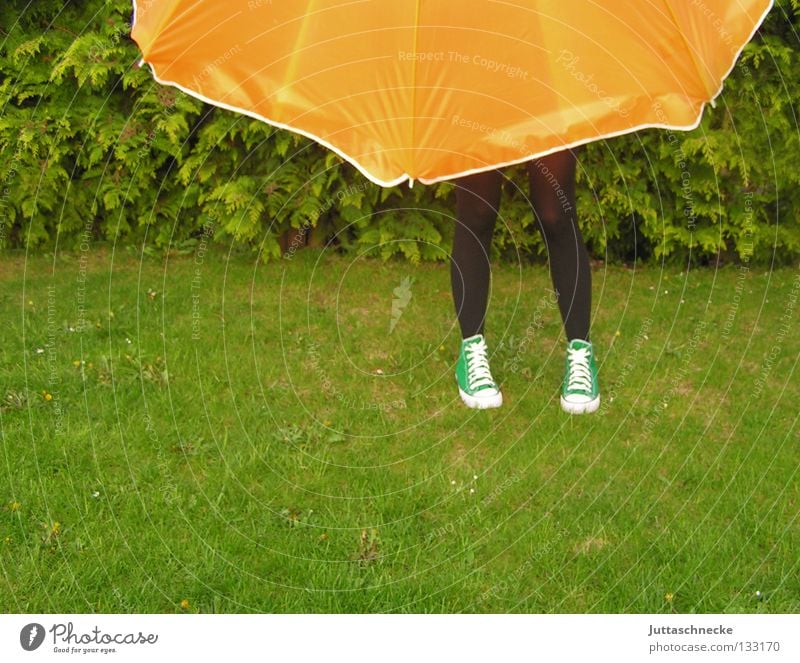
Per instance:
{"type": "Point", "coordinates": [580, 392]}
{"type": "Point", "coordinates": [475, 383]}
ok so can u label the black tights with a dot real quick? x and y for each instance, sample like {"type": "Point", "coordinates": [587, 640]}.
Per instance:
{"type": "Point", "coordinates": [552, 192]}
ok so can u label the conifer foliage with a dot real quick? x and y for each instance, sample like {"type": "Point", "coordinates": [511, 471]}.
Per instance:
{"type": "Point", "coordinates": [94, 150]}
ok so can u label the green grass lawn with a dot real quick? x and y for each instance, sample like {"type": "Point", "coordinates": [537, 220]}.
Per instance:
{"type": "Point", "coordinates": [204, 433]}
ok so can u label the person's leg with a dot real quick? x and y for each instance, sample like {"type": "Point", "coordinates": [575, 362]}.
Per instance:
{"type": "Point", "coordinates": [552, 192]}
{"type": "Point", "coordinates": [552, 188]}
{"type": "Point", "coordinates": [477, 203]}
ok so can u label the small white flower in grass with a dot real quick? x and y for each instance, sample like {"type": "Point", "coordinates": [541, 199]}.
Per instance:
{"type": "Point", "coordinates": [471, 490]}
{"type": "Point", "coordinates": [96, 494]}
{"type": "Point", "coordinates": [379, 371]}
{"type": "Point", "coordinates": [474, 477]}
{"type": "Point", "coordinates": [128, 341]}
{"type": "Point", "coordinates": [453, 482]}
{"type": "Point", "coordinates": [39, 351]}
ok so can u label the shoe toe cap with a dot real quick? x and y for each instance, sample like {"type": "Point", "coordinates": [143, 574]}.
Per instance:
{"type": "Point", "coordinates": [578, 398]}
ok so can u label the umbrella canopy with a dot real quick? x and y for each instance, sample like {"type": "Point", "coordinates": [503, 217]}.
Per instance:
{"type": "Point", "coordinates": [431, 90]}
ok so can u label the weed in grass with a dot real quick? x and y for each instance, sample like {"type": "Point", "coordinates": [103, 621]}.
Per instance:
{"type": "Point", "coordinates": [368, 546]}
{"type": "Point", "coordinates": [14, 400]}
{"type": "Point", "coordinates": [50, 534]}
{"type": "Point", "coordinates": [295, 517]}
{"type": "Point", "coordinates": [154, 372]}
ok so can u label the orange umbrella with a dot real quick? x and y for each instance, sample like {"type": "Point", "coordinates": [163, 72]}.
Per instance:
{"type": "Point", "coordinates": [434, 90]}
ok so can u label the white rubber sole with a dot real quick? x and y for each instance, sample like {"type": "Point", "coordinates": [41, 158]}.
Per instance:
{"type": "Point", "coordinates": [482, 403]}
{"type": "Point", "coordinates": [580, 408]}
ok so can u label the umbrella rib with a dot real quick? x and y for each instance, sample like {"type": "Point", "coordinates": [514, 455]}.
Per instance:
{"type": "Point", "coordinates": [668, 4]}
{"type": "Point", "coordinates": [414, 85]}
{"type": "Point", "coordinates": [291, 68]}
{"type": "Point", "coordinates": [164, 22]}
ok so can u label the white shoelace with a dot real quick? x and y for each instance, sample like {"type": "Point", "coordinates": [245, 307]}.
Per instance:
{"type": "Point", "coordinates": [478, 373]}
{"type": "Point", "coordinates": [580, 375]}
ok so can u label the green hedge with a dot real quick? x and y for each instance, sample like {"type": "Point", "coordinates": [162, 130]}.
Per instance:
{"type": "Point", "coordinates": [94, 150]}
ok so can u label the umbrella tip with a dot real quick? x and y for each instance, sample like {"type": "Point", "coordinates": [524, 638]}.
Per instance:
{"type": "Point", "coordinates": [410, 182]}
